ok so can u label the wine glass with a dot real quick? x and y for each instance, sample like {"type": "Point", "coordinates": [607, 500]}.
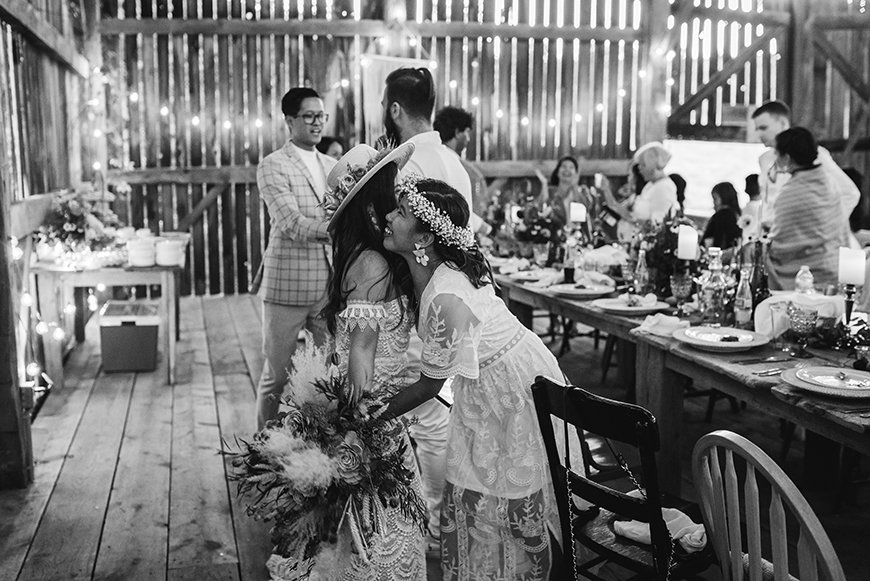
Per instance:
{"type": "Point", "coordinates": [803, 322]}
{"type": "Point", "coordinates": [681, 288]}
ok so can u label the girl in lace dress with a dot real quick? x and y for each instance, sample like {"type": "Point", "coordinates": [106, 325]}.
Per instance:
{"type": "Point", "coordinates": [499, 518]}
{"type": "Point", "coordinates": [367, 311]}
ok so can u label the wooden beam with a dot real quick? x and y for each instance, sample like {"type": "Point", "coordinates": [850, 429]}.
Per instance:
{"type": "Point", "coordinates": [210, 198]}
{"type": "Point", "coordinates": [842, 21]}
{"type": "Point", "coordinates": [24, 16]}
{"type": "Point", "coordinates": [652, 104]}
{"type": "Point", "coordinates": [860, 122]}
{"type": "Point", "coordinates": [767, 18]}
{"type": "Point", "coordinates": [731, 67]}
{"type": "Point", "coordinates": [849, 72]}
{"type": "Point", "coordinates": [351, 28]}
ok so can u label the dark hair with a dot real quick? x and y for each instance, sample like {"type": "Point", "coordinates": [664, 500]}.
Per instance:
{"type": "Point", "coordinates": [639, 180]}
{"type": "Point", "coordinates": [728, 194]}
{"type": "Point", "coordinates": [449, 120]}
{"type": "Point", "coordinates": [680, 182]}
{"type": "Point", "coordinates": [360, 227]}
{"type": "Point", "coordinates": [799, 144]}
{"type": "Point", "coordinates": [413, 89]}
{"type": "Point", "coordinates": [773, 108]}
{"type": "Point", "coordinates": [752, 188]}
{"type": "Point", "coordinates": [554, 177]}
{"type": "Point", "coordinates": [470, 262]}
{"type": "Point", "coordinates": [325, 142]}
{"type": "Point", "coordinates": [292, 101]}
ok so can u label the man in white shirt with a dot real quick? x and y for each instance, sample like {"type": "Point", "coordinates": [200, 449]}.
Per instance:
{"type": "Point", "coordinates": [772, 118]}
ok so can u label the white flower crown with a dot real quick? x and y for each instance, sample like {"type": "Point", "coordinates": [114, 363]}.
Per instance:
{"type": "Point", "coordinates": [449, 233]}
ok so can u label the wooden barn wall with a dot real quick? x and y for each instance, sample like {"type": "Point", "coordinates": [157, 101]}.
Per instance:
{"type": "Point", "coordinates": [191, 100]}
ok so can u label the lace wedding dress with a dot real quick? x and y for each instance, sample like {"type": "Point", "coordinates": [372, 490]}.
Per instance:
{"type": "Point", "coordinates": [397, 552]}
{"type": "Point", "coordinates": [499, 511]}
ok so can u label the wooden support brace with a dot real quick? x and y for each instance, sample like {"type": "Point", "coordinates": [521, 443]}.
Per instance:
{"type": "Point", "coordinates": [210, 198]}
{"type": "Point", "coordinates": [851, 75]}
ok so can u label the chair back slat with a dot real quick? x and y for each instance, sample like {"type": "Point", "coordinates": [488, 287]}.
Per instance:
{"type": "Point", "coordinates": [816, 557]}
{"type": "Point", "coordinates": [808, 567]}
{"type": "Point", "coordinates": [753, 523]}
{"type": "Point", "coordinates": [779, 542]}
{"type": "Point", "coordinates": [732, 501]}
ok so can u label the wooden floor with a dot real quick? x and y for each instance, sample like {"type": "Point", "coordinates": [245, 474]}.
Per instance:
{"type": "Point", "coordinates": [130, 484]}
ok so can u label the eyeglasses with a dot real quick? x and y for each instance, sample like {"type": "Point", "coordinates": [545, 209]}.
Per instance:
{"type": "Point", "coordinates": [310, 118]}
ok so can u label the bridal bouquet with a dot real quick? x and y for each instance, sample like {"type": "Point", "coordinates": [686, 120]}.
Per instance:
{"type": "Point", "coordinates": [324, 465]}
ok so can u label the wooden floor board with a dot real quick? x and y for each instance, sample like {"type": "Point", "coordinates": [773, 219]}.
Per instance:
{"type": "Point", "coordinates": [135, 536]}
{"type": "Point", "coordinates": [249, 329]}
{"type": "Point", "coordinates": [66, 541]}
{"type": "Point", "coordinates": [226, 355]}
{"type": "Point", "coordinates": [221, 572]}
{"type": "Point", "coordinates": [200, 520]}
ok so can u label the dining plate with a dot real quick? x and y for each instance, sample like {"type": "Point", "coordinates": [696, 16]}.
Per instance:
{"type": "Point", "coordinates": [584, 291]}
{"type": "Point", "coordinates": [840, 378]}
{"type": "Point", "coordinates": [618, 306]}
{"type": "Point", "coordinates": [531, 275]}
{"type": "Point", "coordinates": [720, 339]}
{"type": "Point", "coordinates": [791, 376]}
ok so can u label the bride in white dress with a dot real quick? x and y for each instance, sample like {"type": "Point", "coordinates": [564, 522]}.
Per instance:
{"type": "Point", "coordinates": [368, 313]}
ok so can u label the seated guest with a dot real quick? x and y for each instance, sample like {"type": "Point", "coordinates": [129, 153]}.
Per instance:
{"type": "Point", "coordinates": [722, 230]}
{"type": "Point", "coordinates": [809, 226]}
{"type": "Point", "coordinates": [564, 187]}
{"type": "Point", "coordinates": [659, 195]}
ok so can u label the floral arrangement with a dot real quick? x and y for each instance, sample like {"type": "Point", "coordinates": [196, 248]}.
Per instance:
{"type": "Point", "coordinates": [326, 464]}
{"type": "Point", "coordinates": [660, 240]}
{"type": "Point", "coordinates": [337, 193]}
{"type": "Point", "coordinates": [79, 220]}
{"type": "Point", "coordinates": [536, 227]}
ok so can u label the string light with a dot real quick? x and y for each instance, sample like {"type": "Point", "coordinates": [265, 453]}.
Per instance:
{"type": "Point", "coordinates": [641, 74]}
{"type": "Point", "coordinates": [195, 120]}
{"type": "Point", "coordinates": [58, 334]}
{"type": "Point", "coordinates": [17, 253]}
{"type": "Point", "coordinates": [258, 122]}
{"type": "Point", "coordinates": [69, 309]}
{"type": "Point", "coordinates": [499, 113]}
{"type": "Point", "coordinates": [97, 133]}
{"type": "Point", "coordinates": [32, 369]}
{"type": "Point", "coordinates": [134, 97]}
{"type": "Point", "coordinates": [524, 121]}
{"type": "Point", "coordinates": [97, 165]}
{"type": "Point", "coordinates": [41, 328]}
{"type": "Point", "coordinates": [475, 101]}
{"type": "Point", "coordinates": [552, 122]}
{"type": "Point", "coordinates": [164, 110]}
{"type": "Point", "coordinates": [101, 288]}
{"type": "Point", "coordinates": [228, 124]}
{"type": "Point", "coordinates": [26, 299]}
{"type": "Point", "coordinates": [433, 65]}
{"type": "Point", "coordinates": [578, 117]}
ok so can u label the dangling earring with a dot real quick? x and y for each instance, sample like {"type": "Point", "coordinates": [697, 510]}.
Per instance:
{"type": "Point", "coordinates": [420, 254]}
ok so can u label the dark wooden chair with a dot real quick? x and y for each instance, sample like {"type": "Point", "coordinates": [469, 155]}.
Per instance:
{"type": "Point", "coordinates": [630, 426]}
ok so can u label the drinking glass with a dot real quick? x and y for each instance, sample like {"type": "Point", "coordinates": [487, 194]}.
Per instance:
{"type": "Point", "coordinates": [803, 323]}
{"type": "Point", "coordinates": [681, 288]}
{"type": "Point", "coordinates": [776, 311]}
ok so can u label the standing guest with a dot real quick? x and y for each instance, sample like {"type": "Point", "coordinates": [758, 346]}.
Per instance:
{"type": "Point", "coordinates": [809, 226]}
{"type": "Point", "coordinates": [331, 146]}
{"type": "Point", "coordinates": [722, 230]}
{"type": "Point", "coordinates": [295, 268]}
{"type": "Point", "coordinates": [680, 183]}
{"type": "Point", "coordinates": [751, 215]}
{"type": "Point", "coordinates": [499, 519]}
{"type": "Point", "coordinates": [770, 119]}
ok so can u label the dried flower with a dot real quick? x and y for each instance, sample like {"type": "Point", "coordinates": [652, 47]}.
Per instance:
{"type": "Point", "coordinates": [350, 456]}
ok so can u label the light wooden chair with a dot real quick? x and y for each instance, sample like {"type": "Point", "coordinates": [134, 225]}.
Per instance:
{"type": "Point", "coordinates": [749, 545]}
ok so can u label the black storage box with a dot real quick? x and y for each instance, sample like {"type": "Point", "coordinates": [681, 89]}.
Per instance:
{"type": "Point", "coordinates": [128, 336]}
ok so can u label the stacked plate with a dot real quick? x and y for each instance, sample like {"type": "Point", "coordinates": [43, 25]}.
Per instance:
{"type": "Point", "coordinates": [141, 252]}
{"type": "Point", "coordinates": [836, 382]}
{"type": "Point", "coordinates": [720, 339]}
{"type": "Point", "coordinates": [169, 252]}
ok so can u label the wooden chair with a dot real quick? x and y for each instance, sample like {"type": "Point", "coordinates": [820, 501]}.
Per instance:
{"type": "Point", "coordinates": [742, 538]}
{"type": "Point", "coordinates": [635, 427]}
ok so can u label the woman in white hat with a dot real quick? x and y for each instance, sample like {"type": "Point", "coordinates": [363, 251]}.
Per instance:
{"type": "Point", "coordinates": [367, 311]}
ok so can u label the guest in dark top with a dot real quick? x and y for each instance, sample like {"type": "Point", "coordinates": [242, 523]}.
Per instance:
{"type": "Point", "coordinates": [722, 230]}
{"type": "Point", "coordinates": [680, 182]}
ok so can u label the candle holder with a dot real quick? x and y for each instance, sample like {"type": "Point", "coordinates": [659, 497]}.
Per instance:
{"type": "Point", "coordinates": [849, 290]}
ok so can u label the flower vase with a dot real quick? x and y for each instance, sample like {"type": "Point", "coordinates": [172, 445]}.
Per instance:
{"type": "Point", "coordinates": [541, 253]}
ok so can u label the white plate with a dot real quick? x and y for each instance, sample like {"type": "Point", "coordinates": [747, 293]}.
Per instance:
{"type": "Point", "coordinates": [790, 376]}
{"type": "Point", "coordinates": [531, 275]}
{"type": "Point", "coordinates": [619, 307]}
{"type": "Point", "coordinates": [570, 290]}
{"type": "Point", "coordinates": [720, 339]}
{"type": "Point", "coordinates": [831, 377]}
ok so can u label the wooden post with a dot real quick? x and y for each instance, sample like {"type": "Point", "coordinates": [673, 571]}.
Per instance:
{"type": "Point", "coordinates": [802, 67]}
{"type": "Point", "coordinates": [16, 452]}
{"type": "Point", "coordinates": [653, 124]}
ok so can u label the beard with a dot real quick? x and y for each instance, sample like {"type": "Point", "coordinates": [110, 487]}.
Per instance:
{"type": "Point", "coordinates": [391, 130]}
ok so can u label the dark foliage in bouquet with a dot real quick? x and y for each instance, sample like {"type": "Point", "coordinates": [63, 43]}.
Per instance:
{"type": "Point", "coordinates": [660, 240]}
{"type": "Point", "coordinates": [324, 465]}
{"type": "Point", "coordinates": [535, 227]}
{"type": "Point", "coordinates": [79, 219]}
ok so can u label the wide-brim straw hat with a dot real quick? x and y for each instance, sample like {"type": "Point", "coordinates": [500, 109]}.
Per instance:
{"type": "Point", "coordinates": [360, 158]}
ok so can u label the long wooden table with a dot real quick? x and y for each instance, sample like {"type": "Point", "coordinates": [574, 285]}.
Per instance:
{"type": "Point", "coordinates": [51, 279]}
{"type": "Point", "coordinates": [659, 363]}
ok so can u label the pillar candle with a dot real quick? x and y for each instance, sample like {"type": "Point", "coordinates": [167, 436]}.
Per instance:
{"type": "Point", "coordinates": [578, 212]}
{"type": "Point", "coordinates": [851, 269]}
{"type": "Point", "coordinates": [687, 243]}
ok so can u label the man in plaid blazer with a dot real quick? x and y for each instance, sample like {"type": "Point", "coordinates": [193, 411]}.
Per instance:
{"type": "Point", "coordinates": [296, 266]}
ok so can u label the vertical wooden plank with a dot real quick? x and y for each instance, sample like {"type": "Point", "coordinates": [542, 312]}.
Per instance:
{"type": "Point", "coordinates": [653, 118]}
{"type": "Point", "coordinates": [802, 73]}
{"type": "Point", "coordinates": [181, 152]}
{"type": "Point", "coordinates": [194, 109]}
{"type": "Point", "coordinates": [207, 117]}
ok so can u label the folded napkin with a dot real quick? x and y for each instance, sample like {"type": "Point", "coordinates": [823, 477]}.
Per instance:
{"type": "Point", "coordinates": [661, 325]}
{"type": "Point", "coordinates": [511, 265]}
{"type": "Point", "coordinates": [647, 300]}
{"type": "Point", "coordinates": [691, 536]}
{"type": "Point", "coordinates": [828, 306]}
{"type": "Point", "coordinates": [590, 277]}
{"type": "Point", "coordinates": [605, 256]}
{"type": "Point", "coordinates": [548, 279]}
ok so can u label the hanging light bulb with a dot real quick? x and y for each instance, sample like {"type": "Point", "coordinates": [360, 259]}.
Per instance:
{"type": "Point", "coordinates": [58, 334]}
{"type": "Point", "coordinates": [101, 288]}
{"type": "Point", "coordinates": [69, 309]}
{"type": "Point", "coordinates": [32, 369]}
{"type": "Point", "coordinates": [41, 328]}
{"type": "Point", "coordinates": [17, 253]}
{"type": "Point", "coordinates": [26, 299]}
{"type": "Point", "coordinates": [92, 302]}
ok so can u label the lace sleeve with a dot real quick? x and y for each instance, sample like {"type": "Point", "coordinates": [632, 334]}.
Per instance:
{"type": "Point", "coordinates": [451, 334]}
{"type": "Point", "coordinates": [364, 314]}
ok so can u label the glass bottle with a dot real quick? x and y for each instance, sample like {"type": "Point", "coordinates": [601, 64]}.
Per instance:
{"type": "Point", "coordinates": [804, 281]}
{"type": "Point", "coordinates": [641, 274]}
{"type": "Point", "coordinates": [570, 254]}
{"type": "Point", "coordinates": [743, 300]}
{"type": "Point", "coordinates": [713, 289]}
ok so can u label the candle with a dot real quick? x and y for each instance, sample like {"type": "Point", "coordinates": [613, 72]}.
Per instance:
{"type": "Point", "coordinates": [515, 214]}
{"type": "Point", "coordinates": [852, 266]}
{"type": "Point", "coordinates": [578, 212]}
{"type": "Point", "coordinates": [687, 243]}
